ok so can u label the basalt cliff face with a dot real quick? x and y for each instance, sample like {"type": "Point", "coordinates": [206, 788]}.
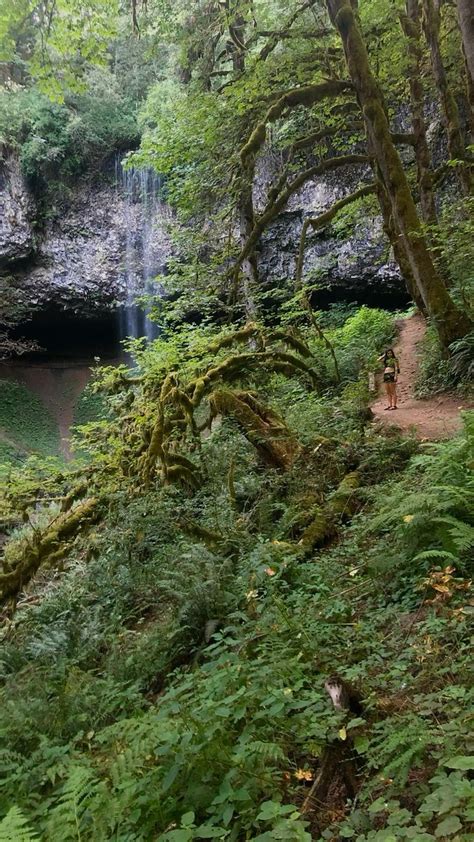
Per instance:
{"type": "Point", "coordinates": [353, 263]}
{"type": "Point", "coordinates": [96, 248]}
{"type": "Point", "coordinates": [16, 211]}
{"type": "Point", "coordinates": [91, 251]}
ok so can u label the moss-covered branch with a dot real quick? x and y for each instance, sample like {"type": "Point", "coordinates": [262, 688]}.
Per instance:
{"type": "Point", "coordinates": [23, 557]}
{"type": "Point", "coordinates": [264, 429]}
{"type": "Point", "coordinates": [306, 95]}
{"type": "Point", "coordinates": [324, 219]}
{"type": "Point", "coordinates": [277, 203]}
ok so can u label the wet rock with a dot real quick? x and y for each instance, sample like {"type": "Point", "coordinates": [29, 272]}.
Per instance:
{"type": "Point", "coordinates": [346, 263]}
{"type": "Point", "coordinates": [92, 250]}
{"type": "Point", "coordinates": [16, 233]}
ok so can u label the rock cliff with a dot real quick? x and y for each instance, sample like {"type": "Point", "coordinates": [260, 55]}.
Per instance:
{"type": "Point", "coordinates": [96, 248]}
{"type": "Point", "coordinates": [16, 210]}
{"type": "Point", "coordinates": [91, 252]}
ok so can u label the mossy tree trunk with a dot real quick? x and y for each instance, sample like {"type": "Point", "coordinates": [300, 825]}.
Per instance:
{"type": "Point", "coordinates": [466, 25]}
{"type": "Point", "coordinates": [412, 28]}
{"type": "Point", "coordinates": [449, 321]}
{"type": "Point", "coordinates": [456, 146]}
{"type": "Point", "coordinates": [245, 210]}
{"type": "Point", "coordinates": [396, 241]}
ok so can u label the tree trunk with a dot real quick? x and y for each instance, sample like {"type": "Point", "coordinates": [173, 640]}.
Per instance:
{"type": "Point", "coordinates": [466, 25]}
{"type": "Point", "coordinates": [398, 246]}
{"type": "Point", "coordinates": [449, 321]}
{"type": "Point", "coordinates": [245, 211]}
{"type": "Point", "coordinates": [249, 265]}
{"type": "Point", "coordinates": [411, 27]}
{"type": "Point", "coordinates": [456, 146]}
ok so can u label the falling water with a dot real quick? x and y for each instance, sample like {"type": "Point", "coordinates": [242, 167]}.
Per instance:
{"type": "Point", "coordinates": [144, 259]}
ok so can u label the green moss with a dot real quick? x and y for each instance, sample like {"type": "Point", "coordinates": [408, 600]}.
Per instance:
{"type": "Point", "coordinates": [89, 407]}
{"type": "Point", "coordinates": [25, 421]}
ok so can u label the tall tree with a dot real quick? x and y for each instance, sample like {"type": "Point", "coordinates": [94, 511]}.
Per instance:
{"type": "Point", "coordinates": [449, 321]}
{"type": "Point", "coordinates": [466, 25]}
{"type": "Point", "coordinates": [410, 21]}
{"type": "Point", "coordinates": [456, 145]}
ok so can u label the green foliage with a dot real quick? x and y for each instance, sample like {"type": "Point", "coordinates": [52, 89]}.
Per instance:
{"type": "Point", "coordinates": [25, 421]}
{"type": "Point", "coordinates": [163, 676]}
{"type": "Point", "coordinates": [60, 141]}
{"type": "Point", "coordinates": [454, 237]}
{"type": "Point", "coordinates": [170, 683]}
{"type": "Point", "coordinates": [440, 373]}
{"type": "Point", "coordinates": [14, 827]}
{"type": "Point", "coordinates": [57, 41]}
{"type": "Point", "coordinates": [89, 407]}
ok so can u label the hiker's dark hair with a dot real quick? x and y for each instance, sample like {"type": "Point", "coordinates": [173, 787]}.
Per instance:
{"type": "Point", "coordinates": [387, 352]}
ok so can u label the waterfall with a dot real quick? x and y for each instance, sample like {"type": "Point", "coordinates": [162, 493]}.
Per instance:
{"type": "Point", "coordinates": [144, 220]}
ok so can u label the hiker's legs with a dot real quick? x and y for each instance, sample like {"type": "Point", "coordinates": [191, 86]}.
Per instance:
{"type": "Point", "coordinates": [394, 394]}
{"type": "Point", "coordinates": [388, 388]}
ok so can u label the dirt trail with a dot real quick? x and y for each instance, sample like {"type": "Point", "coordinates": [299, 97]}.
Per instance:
{"type": "Point", "coordinates": [432, 419]}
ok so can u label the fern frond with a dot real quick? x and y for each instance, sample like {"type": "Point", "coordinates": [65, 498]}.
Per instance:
{"type": "Point", "coordinates": [65, 818]}
{"type": "Point", "coordinates": [462, 533]}
{"type": "Point", "coordinates": [14, 827]}
{"type": "Point", "coordinates": [435, 555]}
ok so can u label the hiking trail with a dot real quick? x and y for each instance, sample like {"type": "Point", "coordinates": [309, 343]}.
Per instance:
{"type": "Point", "coordinates": [430, 419]}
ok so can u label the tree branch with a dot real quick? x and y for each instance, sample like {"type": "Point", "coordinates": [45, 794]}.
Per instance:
{"type": "Point", "coordinates": [277, 204]}
{"type": "Point", "coordinates": [306, 95]}
{"type": "Point", "coordinates": [323, 219]}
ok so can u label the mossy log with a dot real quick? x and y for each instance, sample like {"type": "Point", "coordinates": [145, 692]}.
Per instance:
{"type": "Point", "coordinates": [326, 519]}
{"type": "Point", "coordinates": [23, 557]}
{"type": "Point", "coordinates": [268, 433]}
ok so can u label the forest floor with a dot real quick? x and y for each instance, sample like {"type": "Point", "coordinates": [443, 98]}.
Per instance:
{"type": "Point", "coordinates": [430, 418]}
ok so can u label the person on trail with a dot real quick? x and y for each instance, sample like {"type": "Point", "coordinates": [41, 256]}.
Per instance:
{"type": "Point", "coordinates": [391, 370]}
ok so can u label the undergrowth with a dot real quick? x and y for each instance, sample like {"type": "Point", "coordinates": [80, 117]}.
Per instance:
{"type": "Point", "coordinates": [25, 420]}
{"type": "Point", "coordinates": [168, 683]}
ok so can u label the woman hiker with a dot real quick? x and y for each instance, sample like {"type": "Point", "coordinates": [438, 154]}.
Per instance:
{"type": "Point", "coordinates": [391, 371]}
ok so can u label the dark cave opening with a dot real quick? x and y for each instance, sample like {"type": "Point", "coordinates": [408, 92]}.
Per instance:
{"type": "Point", "coordinates": [70, 336]}
{"type": "Point", "coordinates": [59, 333]}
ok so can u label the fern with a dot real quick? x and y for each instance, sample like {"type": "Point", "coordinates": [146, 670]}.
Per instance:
{"type": "Point", "coordinates": [462, 533]}
{"type": "Point", "coordinates": [435, 555]}
{"type": "Point", "coordinates": [462, 361]}
{"type": "Point", "coordinates": [14, 827]}
{"type": "Point", "coordinates": [65, 819]}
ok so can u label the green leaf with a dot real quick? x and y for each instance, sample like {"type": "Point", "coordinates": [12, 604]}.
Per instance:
{"type": "Point", "coordinates": [463, 761]}
{"type": "Point", "coordinates": [170, 777]}
{"type": "Point", "coordinates": [209, 832]}
{"type": "Point", "coordinates": [361, 744]}
{"type": "Point", "coordinates": [449, 826]}
{"type": "Point", "coordinates": [188, 819]}
{"type": "Point", "coordinates": [180, 835]}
